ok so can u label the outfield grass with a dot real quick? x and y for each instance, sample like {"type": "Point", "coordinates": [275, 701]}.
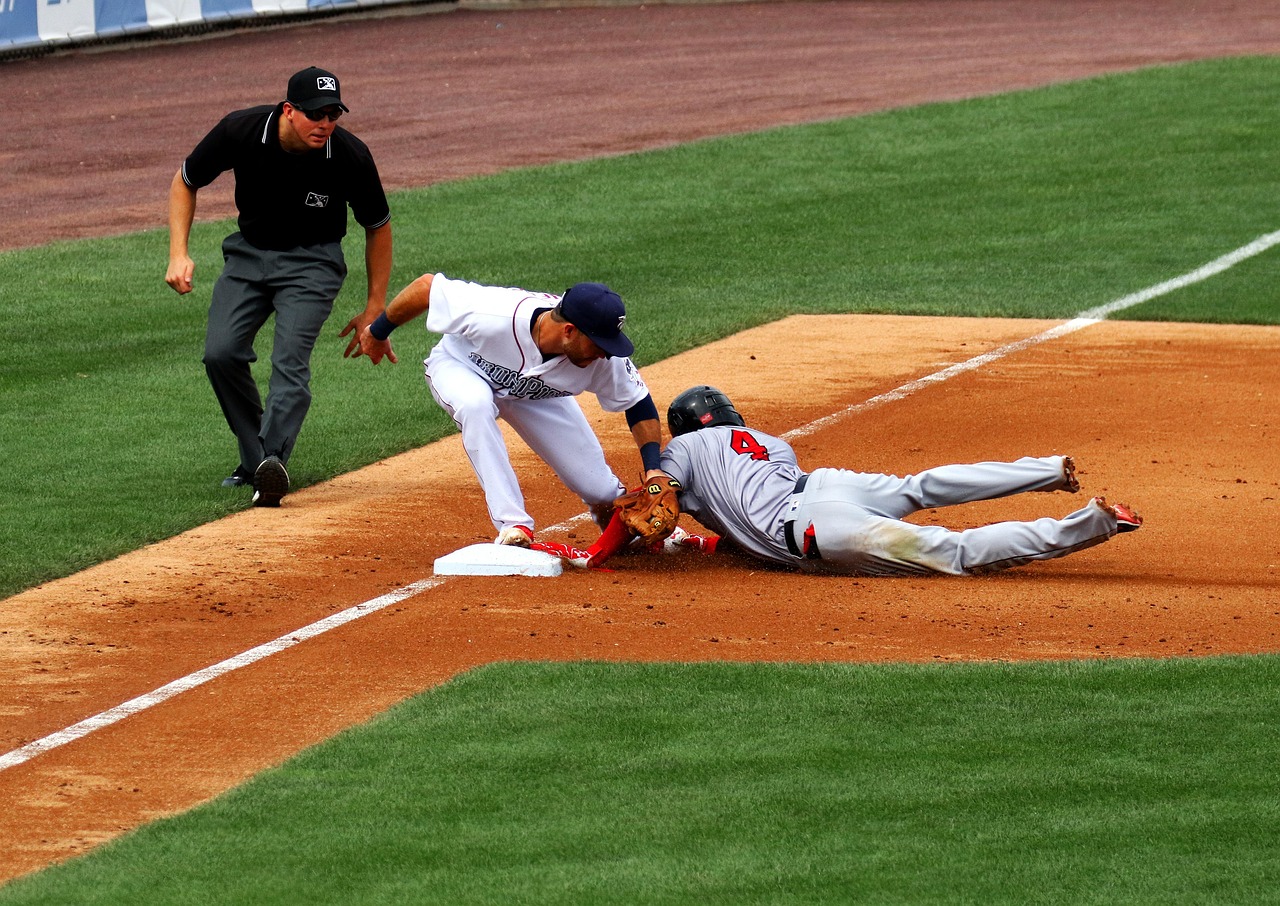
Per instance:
{"type": "Point", "coordinates": [1114, 782]}
{"type": "Point", "coordinates": [1036, 204]}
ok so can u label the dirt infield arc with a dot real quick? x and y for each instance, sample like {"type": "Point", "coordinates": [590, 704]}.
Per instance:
{"type": "Point", "coordinates": [1201, 578]}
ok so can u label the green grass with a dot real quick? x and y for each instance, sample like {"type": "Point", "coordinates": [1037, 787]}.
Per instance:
{"type": "Point", "coordinates": [1101, 782]}
{"type": "Point", "coordinates": [1035, 204]}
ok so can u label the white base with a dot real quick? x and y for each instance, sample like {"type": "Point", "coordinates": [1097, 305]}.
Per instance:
{"type": "Point", "coordinates": [497, 560]}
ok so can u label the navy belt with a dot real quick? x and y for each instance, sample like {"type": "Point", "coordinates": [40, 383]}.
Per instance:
{"type": "Point", "coordinates": [810, 551]}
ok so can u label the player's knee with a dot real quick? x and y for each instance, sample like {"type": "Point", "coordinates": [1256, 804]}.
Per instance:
{"type": "Point", "coordinates": [473, 408]}
{"type": "Point", "coordinates": [219, 356]}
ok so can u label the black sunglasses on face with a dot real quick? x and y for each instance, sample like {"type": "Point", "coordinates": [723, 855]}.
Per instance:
{"type": "Point", "coordinates": [328, 113]}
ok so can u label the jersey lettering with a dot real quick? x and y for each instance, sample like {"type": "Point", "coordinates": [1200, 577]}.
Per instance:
{"type": "Point", "coordinates": [744, 443]}
{"type": "Point", "coordinates": [514, 382]}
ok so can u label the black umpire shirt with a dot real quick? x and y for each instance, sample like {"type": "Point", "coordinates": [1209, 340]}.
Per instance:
{"type": "Point", "coordinates": [289, 200]}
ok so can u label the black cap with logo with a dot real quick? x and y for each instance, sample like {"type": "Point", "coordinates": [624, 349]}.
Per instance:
{"type": "Point", "coordinates": [314, 88]}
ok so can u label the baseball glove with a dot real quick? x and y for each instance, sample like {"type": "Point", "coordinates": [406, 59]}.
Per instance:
{"type": "Point", "coordinates": [650, 513]}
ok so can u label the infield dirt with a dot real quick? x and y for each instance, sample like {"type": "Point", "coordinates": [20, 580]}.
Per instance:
{"type": "Point", "coordinates": [508, 88]}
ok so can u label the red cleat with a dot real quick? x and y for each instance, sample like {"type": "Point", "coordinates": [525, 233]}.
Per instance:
{"type": "Point", "coordinates": [1126, 519]}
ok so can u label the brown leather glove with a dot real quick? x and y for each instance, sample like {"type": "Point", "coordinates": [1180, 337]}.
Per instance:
{"type": "Point", "coordinates": [651, 512]}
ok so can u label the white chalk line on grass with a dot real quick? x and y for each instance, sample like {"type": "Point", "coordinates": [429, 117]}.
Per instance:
{"type": "Point", "coordinates": [253, 655]}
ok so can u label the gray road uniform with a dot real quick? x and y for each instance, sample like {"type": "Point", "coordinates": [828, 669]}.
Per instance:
{"type": "Point", "coordinates": [747, 486]}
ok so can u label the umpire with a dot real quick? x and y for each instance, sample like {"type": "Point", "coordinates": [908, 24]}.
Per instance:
{"type": "Point", "coordinates": [296, 171]}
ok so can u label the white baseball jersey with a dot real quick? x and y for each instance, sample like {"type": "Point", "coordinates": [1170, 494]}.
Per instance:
{"type": "Point", "coordinates": [487, 366]}
{"type": "Point", "coordinates": [489, 329]}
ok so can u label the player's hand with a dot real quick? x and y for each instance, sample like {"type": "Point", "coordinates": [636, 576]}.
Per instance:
{"type": "Point", "coordinates": [366, 343]}
{"type": "Point", "coordinates": [354, 327]}
{"type": "Point", "coordinates": [181, 270]}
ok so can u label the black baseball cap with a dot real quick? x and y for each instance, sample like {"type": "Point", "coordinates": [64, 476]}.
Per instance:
{"type": "Point", "coordinates": [598, 312]}
{"type": "Point", "coordinates": [314, 88]}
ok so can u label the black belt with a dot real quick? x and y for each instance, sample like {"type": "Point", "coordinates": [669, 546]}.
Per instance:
{"type": "Point", "coordinates": [810, 551]}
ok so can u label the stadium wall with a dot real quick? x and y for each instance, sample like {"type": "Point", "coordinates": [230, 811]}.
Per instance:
{"type": "Point", "coordinates": [29, 27]}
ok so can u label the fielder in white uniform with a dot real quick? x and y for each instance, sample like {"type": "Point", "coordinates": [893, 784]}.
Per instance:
{"type": "Point", "coordinates": [523, 356]}
{"type": "Point", "coordinates": [747, 486]}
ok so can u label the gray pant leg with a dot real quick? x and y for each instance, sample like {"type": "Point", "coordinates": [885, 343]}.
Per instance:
{"type": "Point", "coordinates": [307, 284]}
{"type": "Point", "coordinates": [1004, 545]}
{"type": "Point", "coordinates": [854, 536]}
{"type": "Point", "coordinates": [240, 306]}
{"type": "Point", "coordinates": [299, 286]}
{"type": "Point", "coordinates": [888, 495]}
{"type": "Point", "coordinates": [855, 541]}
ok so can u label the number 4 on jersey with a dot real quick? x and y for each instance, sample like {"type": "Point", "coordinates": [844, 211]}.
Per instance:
{"type": "Point", "coordinates": [743, 442]}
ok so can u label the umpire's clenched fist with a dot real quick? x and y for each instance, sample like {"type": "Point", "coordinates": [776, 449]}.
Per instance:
{"type": "Point", "coordinates": [179, 274]}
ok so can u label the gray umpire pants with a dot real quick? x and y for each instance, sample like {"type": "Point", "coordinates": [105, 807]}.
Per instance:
{"type": "Point", "coordinates": [298, 286]}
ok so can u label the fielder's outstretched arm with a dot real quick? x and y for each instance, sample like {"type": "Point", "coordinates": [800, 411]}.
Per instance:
{"type": "Point", "coordinates": [409, 303]}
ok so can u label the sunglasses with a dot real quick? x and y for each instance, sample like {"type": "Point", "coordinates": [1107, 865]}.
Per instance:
{"type": "Point", "coordinates": [328, 113]}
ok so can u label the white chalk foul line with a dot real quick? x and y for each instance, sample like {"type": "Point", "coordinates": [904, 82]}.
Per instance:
{"type": "Point", "coordinates": [191, 681]}
{"type": "Point", "coordinates": [1217, 266]}
{"type": "Point", "coordinates": [938, 377]}
{"type": "Point", "coordinates": [1084, 319]}
{"type": "Point", "coordinates": [200, 677]}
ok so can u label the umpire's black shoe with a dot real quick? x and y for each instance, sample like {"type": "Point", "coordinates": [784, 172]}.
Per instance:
{"type": "Point", "coordinates": [238, 479]}
{"type": "Point", "coordinates": [270, 482]}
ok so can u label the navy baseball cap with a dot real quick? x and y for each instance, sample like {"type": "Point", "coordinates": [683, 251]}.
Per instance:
{"type": "Point", "coordinates": [598, 312]}
{"type": "Point", "coordinates": [313, 88]}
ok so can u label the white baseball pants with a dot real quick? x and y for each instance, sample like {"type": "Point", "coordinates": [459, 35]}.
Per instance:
{"type": "Point", "coordinates": [555, 429]}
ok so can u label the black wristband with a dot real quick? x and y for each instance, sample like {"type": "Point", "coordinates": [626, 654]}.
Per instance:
{"type": "Point", "coordinates": [382, 327]}
{"type": "Point", "coordinates": [651, 456]}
